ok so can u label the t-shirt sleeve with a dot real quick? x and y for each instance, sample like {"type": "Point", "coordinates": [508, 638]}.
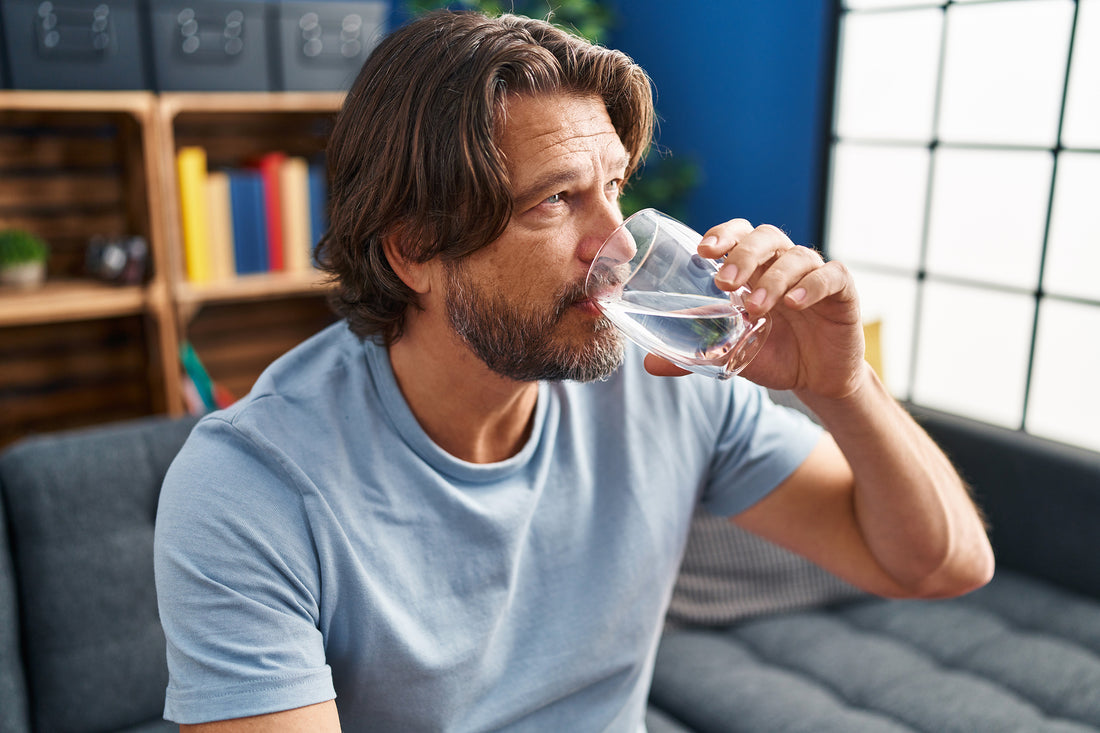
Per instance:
{"type": "Point", "coordinates": [237, 582]}
{"type": "Point", "coordinates": [759, 445]}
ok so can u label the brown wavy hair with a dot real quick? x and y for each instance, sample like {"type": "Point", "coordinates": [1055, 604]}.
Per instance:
{"type": "Point", "coordinates": [414, 150]}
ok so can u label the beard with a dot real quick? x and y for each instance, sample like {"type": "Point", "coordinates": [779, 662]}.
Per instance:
{"type": "Point", "coordinates": [524, 345]}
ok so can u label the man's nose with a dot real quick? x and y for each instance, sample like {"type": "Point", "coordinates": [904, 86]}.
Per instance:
{"type": "Point", "coordinates": [605, 221]}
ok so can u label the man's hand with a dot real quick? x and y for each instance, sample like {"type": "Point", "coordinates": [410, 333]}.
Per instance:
{"type": "Point", "coordinates": [816, 341]}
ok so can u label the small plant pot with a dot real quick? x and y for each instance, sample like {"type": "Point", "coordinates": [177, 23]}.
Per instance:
{"type": "Point", "coordinates": [24, 276]}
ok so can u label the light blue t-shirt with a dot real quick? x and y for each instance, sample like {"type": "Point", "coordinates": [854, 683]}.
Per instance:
{"type": "Point", "coordinates": [313, 542]}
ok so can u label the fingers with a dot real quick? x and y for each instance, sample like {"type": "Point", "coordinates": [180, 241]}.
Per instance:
{"type": "Point", "coordinates": [720, 239]}
{"type": "Point", "coordinates": [796, 276]}
{"type": "Point", "coordinates": [771, 265]}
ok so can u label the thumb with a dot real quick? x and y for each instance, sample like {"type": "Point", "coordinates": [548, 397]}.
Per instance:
{"type": "Point", "coordinates": [660, 367]}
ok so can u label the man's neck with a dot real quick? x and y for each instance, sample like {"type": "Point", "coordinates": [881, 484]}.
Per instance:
{"type": "Point", "coordinates": [468, 410]}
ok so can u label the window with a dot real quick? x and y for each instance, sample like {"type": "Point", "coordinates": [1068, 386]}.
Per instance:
{"type": "Point", "coordinates": [964, 194]}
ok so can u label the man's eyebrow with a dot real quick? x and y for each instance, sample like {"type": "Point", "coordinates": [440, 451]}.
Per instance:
{"type": "Point", "coordinates": [555, 180]}
{"type": "Point", "coordinates": [549, 182]}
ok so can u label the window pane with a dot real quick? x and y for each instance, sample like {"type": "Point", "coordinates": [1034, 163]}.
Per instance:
{"type": "Point", "coordinates": [891, 300]}
{"type": "Point", "coordinates": [1073, 247]}
{"type": "Point", "coordinates": [888, 74]}
{"type": "Point", "coordinates": [1065, 393]}
{"type": "Point", "coordinates": [1004, 71]}
{"type": "Point", "coordinates": [973, 352]}
{"type": "Point", "coordinates": [1081, 127]}
{"type": "Point", "coordinates": [988, 215]}
{"type": "Point", "coordinates": [877, 204]}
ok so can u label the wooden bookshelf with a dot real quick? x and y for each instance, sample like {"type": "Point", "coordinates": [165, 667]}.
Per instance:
{"type": "Point", "coordinates": [239, 324]}
{"type": "Point", "coordinates": [77, 164]}
{"type": "Point", "coordinates": [74, 165]}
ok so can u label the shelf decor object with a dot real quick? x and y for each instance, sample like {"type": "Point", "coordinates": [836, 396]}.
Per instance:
{"type": "Point", "coordinates": [22, 259]}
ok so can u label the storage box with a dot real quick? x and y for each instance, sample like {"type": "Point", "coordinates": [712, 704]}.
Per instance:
{"type": "Point", "coordinates": [74, 44]}
{"type": "Point", "coordinates": [3, 50]}
{"type": "Point", "coordinates": [3, 65]}
{"type": "Point", "coordinates": [210, 45]}
{"type": "Point", "coordinates": [322, 45]}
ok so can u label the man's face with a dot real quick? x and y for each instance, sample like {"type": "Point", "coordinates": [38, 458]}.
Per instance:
{"type": "Point", "coordinates": [519, 302]}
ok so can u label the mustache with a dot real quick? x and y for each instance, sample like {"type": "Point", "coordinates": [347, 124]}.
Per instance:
{"type": "Point", "coordinates": [604, 278]}
{"type": "Point", "coordinates": [570, 295]}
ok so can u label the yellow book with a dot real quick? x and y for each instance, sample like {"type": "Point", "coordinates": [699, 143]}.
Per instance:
{"type": "Point", "coordinates": [223, 264]}
{"type": "Point", "coordinates": [294, 190]}
{"type": "Point", "coordinates": [191, 168]}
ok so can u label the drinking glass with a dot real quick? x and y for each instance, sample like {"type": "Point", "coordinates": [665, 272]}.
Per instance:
{"type": "Point", "coordinates": [649, 280]}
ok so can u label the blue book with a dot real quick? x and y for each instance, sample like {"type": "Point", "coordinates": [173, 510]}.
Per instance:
{"type": "Point", "coordinates": [318, 200]}
{"type": "Point", "coordinates": [246, 196]}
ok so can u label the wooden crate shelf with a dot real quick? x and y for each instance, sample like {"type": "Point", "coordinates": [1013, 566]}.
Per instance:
{"type": "Point", "coordinates": [77, 164]}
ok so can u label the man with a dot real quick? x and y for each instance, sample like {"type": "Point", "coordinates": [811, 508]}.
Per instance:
{"type": "Point", "coordinates": [463, 507]}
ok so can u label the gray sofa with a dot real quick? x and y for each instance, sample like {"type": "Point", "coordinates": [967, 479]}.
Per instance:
{"type": "Point", "coordinates": [81, 648]}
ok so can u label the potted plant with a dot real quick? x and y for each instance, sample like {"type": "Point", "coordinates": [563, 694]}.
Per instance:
{"type": "Point", "coordinates": [22, 259]}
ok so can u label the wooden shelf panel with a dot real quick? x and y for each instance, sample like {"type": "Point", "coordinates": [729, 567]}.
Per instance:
{"type": "Point", "coordinates": [75, 374]}
{"type": "Point", "coordinates": [249, 288]}
{"type": "Point", "coordinates": [61, 301]}
{"type": "Point", "coordinates": [135, 102]}
{"type": "Point", "coordinates": [174, 103]}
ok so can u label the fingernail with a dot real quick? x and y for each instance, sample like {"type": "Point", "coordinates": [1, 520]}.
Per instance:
{"type": "Point", "coordinates": [727, 275]}
{"type": "Point", "coordinates": [757, 297]}
{"type": "Point", "coordinates": [797, 295]}
{"type": "Point", "coordinates": [710, 241]}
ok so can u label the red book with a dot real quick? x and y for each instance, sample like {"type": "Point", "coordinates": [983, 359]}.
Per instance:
{"type": "Point", "coordinates": [269, 165]}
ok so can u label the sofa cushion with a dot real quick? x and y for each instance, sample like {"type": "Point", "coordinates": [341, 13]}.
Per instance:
{"type": "Point", "coordinates": [728, 574]}
{"type": "Point", "coordinates": [657, 721]}
{"type": "Point", "coordinates": [1017, 655]}
{"type": "Point", "coordinates": [81, 510]}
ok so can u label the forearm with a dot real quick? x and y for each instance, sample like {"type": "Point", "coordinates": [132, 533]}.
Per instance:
{"type": "Point", "coordinates": [910, 506]}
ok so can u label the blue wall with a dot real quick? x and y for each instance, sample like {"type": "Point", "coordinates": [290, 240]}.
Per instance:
{"type": "Point", "coordinates": [743, 87]}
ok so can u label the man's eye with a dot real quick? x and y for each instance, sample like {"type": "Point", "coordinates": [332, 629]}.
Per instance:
{"type": "Point", "coordinates": [614, 186]}
{"type": "Point", "coordinates": [555, 199]}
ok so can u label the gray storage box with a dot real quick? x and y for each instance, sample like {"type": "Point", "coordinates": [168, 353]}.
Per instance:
{"type": "Point", "coordinates": [210, 45]}
{"type": "Point", "coordinates": [74, 44]}
{"type": "Point", "coordinates": [322, 45]}
{"type": "Point", "coordinates": [3, 50]}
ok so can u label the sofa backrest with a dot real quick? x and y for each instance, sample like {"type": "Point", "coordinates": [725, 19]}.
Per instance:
{"type": "Point", "coordinates": [1042, 498]}
{"type": "Point", "coordinates": [13, 685]}
{"type": "Point", "coordinates": [80, 512]}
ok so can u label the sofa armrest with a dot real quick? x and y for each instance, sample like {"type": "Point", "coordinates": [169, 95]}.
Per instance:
{"type": "Point", "coordinates": [80, 508]}
{"type": "Point", "coordinates": [1042, 498]}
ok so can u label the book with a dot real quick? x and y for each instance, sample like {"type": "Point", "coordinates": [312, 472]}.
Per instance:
{"type": "Point", "coordinates": [220, 220]}
{"type": "Point", "coordinates": [198, 376]}
{"type": "Point", "coordinates": [202, 393]}
{"type": "Point", "coordinates": [318, 200]}
{"type": "Point", "coordinates": [297, 234]}
{"type": "Point", "coordinates": [247, 211]}
{"type": "Point", "coordinates": [269, 166]}
{"type": "Point", "coordinates": [191, 172]}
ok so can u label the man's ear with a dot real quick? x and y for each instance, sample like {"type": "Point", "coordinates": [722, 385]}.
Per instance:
{"type": "Point", "coordinates": [416, 275]}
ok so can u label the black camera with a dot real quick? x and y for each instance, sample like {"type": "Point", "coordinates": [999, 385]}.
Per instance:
{"type": "Point", "coordinates": [118, 260]}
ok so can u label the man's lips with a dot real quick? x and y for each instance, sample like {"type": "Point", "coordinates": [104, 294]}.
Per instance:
{"type": "Point", "coordinates": [588, 306]}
